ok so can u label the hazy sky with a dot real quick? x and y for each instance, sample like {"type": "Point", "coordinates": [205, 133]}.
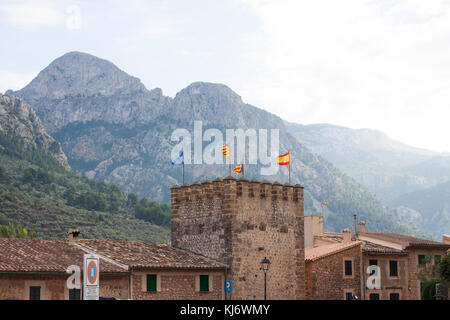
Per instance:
{"type": "Point", "coordinates": [380, 64]}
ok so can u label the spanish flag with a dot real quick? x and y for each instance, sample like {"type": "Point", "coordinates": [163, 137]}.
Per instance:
{"type": "Point", "coordinates": [238, 168]}
{"type": "Point", "coordinates": [225, 150]}
{"type": "Point", "coordinates": [283, 160]}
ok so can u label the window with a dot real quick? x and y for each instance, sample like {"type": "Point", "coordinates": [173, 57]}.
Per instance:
{"type": "Point", "coordinates": [204, 283]}
{"type": "Point", "coordinates": [393, 268]}
{"type": "Point", "coordinates": [348, 268]}
{"type": "Point", "coordinates": [35, 293]}
{"type": "Point", "coordinates": [422, 259]}
{"type": "Point", "coordinates": [74, 294]}
{"type": "Point", "coordinates": [437, 260]}
{"type": "Point", "coordinates": [348, 296]}
{"type": "Point", "coordinates": [373, 262]}
{"type": "Point", "coordinates": [394, 296]}
{"type": "Point", "coordinates": [374, 296]}
{"type": "Point", "coordinates": [151, 283]}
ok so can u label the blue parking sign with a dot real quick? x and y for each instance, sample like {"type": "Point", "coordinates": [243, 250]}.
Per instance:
{"type": "Point", "coordinates": [228, 287]}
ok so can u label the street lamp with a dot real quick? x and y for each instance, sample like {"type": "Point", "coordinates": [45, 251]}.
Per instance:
{"type": "Point", "coordinates": [265, 264]}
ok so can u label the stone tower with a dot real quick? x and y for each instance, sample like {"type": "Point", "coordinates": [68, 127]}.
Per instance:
{"type": "Point", "coordinates": [239, 222]}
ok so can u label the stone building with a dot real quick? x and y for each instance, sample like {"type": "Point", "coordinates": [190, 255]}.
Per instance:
{"type": "Point", "coordinates": [239, 223]}
{"type": "Point", "coordinates": [399, 257]}
{"type": "Point", "coordinates": [36, 269]}
{"type": "Point", "coordinates": [333, 271]}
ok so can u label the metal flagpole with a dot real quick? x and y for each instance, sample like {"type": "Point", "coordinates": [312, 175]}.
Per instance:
{"type": "Point", "coordinates": [183, 171]}
{"type": "Point", "coordinates": [289, 167]}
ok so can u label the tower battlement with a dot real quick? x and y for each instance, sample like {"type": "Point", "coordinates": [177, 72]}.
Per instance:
{"type": "Point", "coordinates": [239, 222]}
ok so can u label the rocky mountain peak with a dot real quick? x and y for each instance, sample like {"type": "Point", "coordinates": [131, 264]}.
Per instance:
{"type": "Point", "coordinates": [77, 73]}
{"type": "Point", "coordinates": [18, 120]}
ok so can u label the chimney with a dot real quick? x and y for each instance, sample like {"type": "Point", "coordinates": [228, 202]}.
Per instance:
{"type": "Point", "coordinates": [362, 226]}
{"type": "Point", "coordinates": [446, 238]}
{"type": "Point", "coordinates": [347, 233]}
{"type": "Point", "coordinates": [73, 235]}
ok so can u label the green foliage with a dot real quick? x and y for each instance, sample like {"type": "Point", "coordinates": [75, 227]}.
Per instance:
{"type": "Point", "coordinates": [15, 147]}
{"type": "Point", "coordinates": [37, 191]}
{"type": "Point", "coordinates": [16, 231]}
{"type": "Point", "coordinates": [3, 175]}
{"type": "Point", "coordinates": [428, 271]}
{"type": "Point", "coordinates": [444, 268]}
{"type": "Point", "coordinates": [152, 212]}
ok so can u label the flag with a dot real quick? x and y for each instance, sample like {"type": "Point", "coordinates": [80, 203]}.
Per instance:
{"type": "Point", "coordinates": [179, 160]}
{"type": "Point", "coordinates": [238, 168]}
{"type": "Point", "coordinates": [324, 203]}
{"type": "Point", "coordinates": [225, 150]}
{"type": "Point", "coordinates": [283, 160]}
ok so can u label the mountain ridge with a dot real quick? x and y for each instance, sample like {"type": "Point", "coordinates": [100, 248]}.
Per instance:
{"type": "Point", "coordinates": [134, 152]}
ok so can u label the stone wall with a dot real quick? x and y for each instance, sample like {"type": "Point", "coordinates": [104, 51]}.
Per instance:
{"type": "Point", "coordinates": [53, 286]}
{"type": "Point", "coordinates": [239, 222]}
{"type": "Point", "coordinates": [414, 268]}
{"type": "Point", "coordinates": [389, 284]}
{"type": "Point", "coordinates": [325, 276]}
{"type": "Point", "coordinates": [178, 285]}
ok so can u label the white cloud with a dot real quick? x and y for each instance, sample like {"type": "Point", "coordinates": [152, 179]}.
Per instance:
{"type": "Point", "coordinates": [376, 64]}
{"type": "Point", "coordinates": [32, 13]}
{"type": "Point", "coordinates": [13, 80]}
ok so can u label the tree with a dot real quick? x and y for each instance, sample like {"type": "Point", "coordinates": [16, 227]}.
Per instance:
{"type": "Point", "coordinates": [16, 231]}
{"type": "Point", "coordinates": [444, 268]}
{"type": "Point", "coordinates": [3, 175]}
{"type": "Point", "coordinates": [132, 200]}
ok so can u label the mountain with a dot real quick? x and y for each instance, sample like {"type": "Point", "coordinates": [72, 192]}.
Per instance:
{"type": "Point", "coordinates": [113, 129]}
{"type": "Point", "coordinates": [38, 189]}
{"type": "Point", "coordinates": [387, 167]}
{"type": "Point", "coordinates": [18, 120]}
{"type": "Point", "coordinates": [431, 207]}
{"type": "Point", "coordinates": [403, 176]}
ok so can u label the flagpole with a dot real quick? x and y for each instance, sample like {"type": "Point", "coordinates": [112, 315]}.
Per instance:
{"type": "Point", "coordinates": [289, 168]}
{"type": "Point", "coordinates": [183, 172]}
{"type": "Point", "coordinates": [243, 172]}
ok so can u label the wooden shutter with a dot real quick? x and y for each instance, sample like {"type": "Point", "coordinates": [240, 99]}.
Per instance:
{"type": "Point", "coordinates": [204, 283]}
{"type": "Point", "coordinates": [393, 268]}
{"type": "Point", "coordinates": [35, 293]}
{"type": "Point", "coordinates": [74, 294]}
{"type": "Point", "coordinates": [151, 283]}
{"type": "Point", "coordinates": [394, 296]}
{"type": "Point", "coordinates": [348, 268]}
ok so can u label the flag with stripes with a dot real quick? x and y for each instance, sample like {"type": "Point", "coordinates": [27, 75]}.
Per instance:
{"type": "Point", "coordinates": [225, 150]}
{"type": "Point", "coordinates": [238, 168]}
{"type": "Point", "coordinates": [283, 160]}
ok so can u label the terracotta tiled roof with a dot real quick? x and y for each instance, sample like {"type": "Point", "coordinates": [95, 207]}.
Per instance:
{"type": "Point", "coordinates": [24, 255]}
{"type": "Point", "coordinates": [322, 251]}
{"type": "Point", "coordinates": [406, 241]}
{"type": "Point", "coordinates": [138, 254]}
{"type": "Point", "coordinates": [373, 248]}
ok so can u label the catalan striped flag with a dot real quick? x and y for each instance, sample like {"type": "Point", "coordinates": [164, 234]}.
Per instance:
{"type": "Point", "coordinates": [225, 150]}
{"type": "Point", "coordinates": [239, 168]}
{"type": "Point", "coordinates": [283, 160]}
{"type": "Point", "coordinates": [324, 203]}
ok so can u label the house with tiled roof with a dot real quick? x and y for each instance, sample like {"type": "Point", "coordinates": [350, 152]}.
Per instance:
{"type": "Point", "coordinates": [400, 258]}
{"type": "Point", "coordinates": [158, 271]}
{"type": "Point", "coordinates": [40, 269]}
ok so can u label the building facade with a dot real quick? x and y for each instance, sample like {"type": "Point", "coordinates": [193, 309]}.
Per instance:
{"type": "Point", "coordinates": [239, 223]}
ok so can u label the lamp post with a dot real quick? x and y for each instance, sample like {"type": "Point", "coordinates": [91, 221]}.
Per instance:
{"type": "Point", "coordinates": [265, 264]}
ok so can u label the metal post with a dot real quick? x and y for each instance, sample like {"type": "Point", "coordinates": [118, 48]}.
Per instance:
{"type": "Point", "coordinates": [265, 286]}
